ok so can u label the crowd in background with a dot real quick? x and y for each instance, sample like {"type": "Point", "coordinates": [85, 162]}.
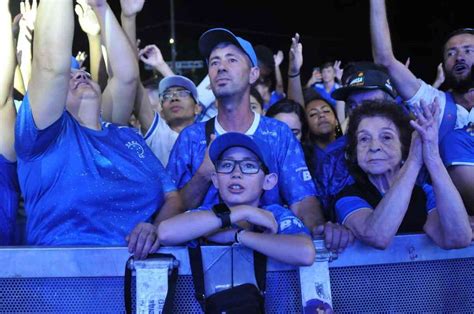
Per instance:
{"type": "Point", "coordinates": [94, 157]}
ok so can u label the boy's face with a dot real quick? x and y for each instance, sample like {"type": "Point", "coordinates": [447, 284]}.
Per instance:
{"type": "Point", "coordinates": [238, 188]}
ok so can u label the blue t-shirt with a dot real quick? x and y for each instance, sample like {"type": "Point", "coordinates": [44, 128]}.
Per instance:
{"type": "Point", "coordinates": [9, 196]}
{"type": "Point", "coordinates": [457, 147]}
{"type": "Point", "coordinates": [274, 97]}
{"type": "Point", "coordinates": [286, 160]}
{"type": "Point", "coordinates": [319, 87]}
{"type": "Point", "coordinates": [356, 197]}
{"type": "Point", "coordinates": [83, 186]}
{"type": "Point", "coordinates": [330, 173]}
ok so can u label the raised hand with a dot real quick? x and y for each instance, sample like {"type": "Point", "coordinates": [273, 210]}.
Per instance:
{"type": "Point", "coordinates": [131, 7]}
{"type": "Point", "coordinates": [439, 76]}
{"type": "Point", "coordinates": [295, 55]}
{"type": "Point", "coordinates": [87, 18]}
{"type": "Point", "coordinates": [278, 58]}
{"type": "Point", "coordinates": [151, 55]}
{"type": "Point", "coordinates": [28, 15]}
{"type": "Point", "coordinates": [427, 126]}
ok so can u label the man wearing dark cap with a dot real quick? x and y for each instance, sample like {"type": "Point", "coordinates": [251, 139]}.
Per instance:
{"type": "Point", "coordinates": [364, 81]}
{"type": "Point", "coordinates": [456, 114]}
{"type": "Point", "coordinates": [232, 68]}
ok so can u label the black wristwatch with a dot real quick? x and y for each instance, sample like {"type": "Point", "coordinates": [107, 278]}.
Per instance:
{"type": "Point", "coordinates": [223, 212]}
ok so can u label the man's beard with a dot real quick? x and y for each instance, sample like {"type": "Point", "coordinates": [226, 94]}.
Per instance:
{"type": "Point", "coordinates": [460, 85]}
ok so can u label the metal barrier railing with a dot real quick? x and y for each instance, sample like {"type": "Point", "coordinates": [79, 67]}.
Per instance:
{"type": "Point", "coordinates": [412, 275]}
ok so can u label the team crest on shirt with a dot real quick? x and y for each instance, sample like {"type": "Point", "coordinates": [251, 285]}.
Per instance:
{"type": "Point", "coordinates": [135, 146]}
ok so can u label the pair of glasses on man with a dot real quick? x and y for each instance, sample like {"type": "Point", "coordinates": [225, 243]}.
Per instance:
{"type": "Point", "coordinates": [246, 166]}
{"type": "Point", "coordinates": [178, 93]}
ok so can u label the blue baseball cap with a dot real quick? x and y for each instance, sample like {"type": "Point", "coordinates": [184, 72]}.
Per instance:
{"type": "Point", "coordinates": [178, 80]}
{"type": "Point", "coordinates": [233, 139]}
{"type": "Point", "coordinates": [211, 38]}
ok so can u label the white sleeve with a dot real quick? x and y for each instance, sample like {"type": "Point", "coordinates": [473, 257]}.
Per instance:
{"type": "Point", "coordinates": [428, 93]}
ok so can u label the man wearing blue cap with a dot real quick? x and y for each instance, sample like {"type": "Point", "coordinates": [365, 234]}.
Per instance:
{"type": "Point", "coordinates": [179, 102]}
{"type": "Point", "coordinates": [232, 68]}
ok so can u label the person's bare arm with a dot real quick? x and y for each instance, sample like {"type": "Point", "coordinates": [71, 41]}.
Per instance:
{"type": "Point", "coordinates": [439, 80]}
{"type": "Point", "coordinates": [119, 95]}
{"type": "Point", "coordinates": [194, 224]}
{"type": "Point", "coordinates": [143, 239]}
{"type": "Point", "coordinates": [447, 224]}
{"type": "Point", "coordinates": [378, 226]}
{"type": "Point", "coordinates": [291, 249]}
{"type": "Point", "coordinates": [195, 190]}
{"type": "Point", "coordinates": [7, 66]}
{"type": "Point", "coordinates": [90, 25]}
{"type": "Point", "coordinates": [128, 17]}
{"type": "Point", "coordinates": [295, 91]}
{"type": "Point", "coordinates": [25, 36]}
{"type": "Point", "coordinates": [341, 110]}
{"type": "Point", "coordinates": [278, 58]}
{"type": "Point", "coordinates": [403, 79]}
{"type": "Point", "coordinates": [51, 68]}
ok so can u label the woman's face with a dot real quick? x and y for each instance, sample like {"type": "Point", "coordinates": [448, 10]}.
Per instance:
{"type": "Point", "coordinates": [321, 118]}
{"type": "Point", "coordinates": [379, 150]}
{"type": "Point", "coordinates": [293, 121]}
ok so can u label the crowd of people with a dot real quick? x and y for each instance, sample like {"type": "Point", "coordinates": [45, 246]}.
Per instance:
{"type": "Point", "coordinates": [363, 152]}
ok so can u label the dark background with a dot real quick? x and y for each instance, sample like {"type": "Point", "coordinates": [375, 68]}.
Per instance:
{"type": "Point", "coordinates": [330, 29]}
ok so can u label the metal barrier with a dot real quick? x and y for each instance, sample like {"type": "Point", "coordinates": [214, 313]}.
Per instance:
{"type": "Point", "coordinates": [412, 275]}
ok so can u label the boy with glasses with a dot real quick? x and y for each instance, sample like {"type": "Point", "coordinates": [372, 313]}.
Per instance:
{"type": "Point", "coordinates": [242, 174]}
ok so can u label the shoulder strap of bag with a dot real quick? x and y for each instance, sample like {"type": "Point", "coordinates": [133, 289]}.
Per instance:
{"type": "Point", "coordinates": [260, 269]}
{"type": "Point", "coordinates": [209, 129]}
{"type": "Point", "coordinates": [172, 279]}
{"type": "Point", "coordinates": [195, 260]}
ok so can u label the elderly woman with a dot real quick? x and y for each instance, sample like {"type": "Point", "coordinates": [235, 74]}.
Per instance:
{"type": "Point", "coordinates": [385, 199]}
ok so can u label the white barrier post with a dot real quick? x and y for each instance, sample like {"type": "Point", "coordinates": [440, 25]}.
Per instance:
{"type": "Point", "coordinates": [152, 283]}
{"type": "Point", "coordinates": [315, 282]}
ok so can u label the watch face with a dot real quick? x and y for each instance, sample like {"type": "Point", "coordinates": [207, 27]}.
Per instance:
{"type": "Point", "coordinates": [221, 208]}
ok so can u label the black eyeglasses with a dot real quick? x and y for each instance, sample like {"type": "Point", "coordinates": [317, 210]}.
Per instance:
{"type": "Point", "coordinates": [246, 166]}
{"type": "Point", "coordinates": [179, 93]}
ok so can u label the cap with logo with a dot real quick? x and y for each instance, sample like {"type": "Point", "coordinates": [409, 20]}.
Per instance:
{"type": "Point", "coordinates": [363, 76]}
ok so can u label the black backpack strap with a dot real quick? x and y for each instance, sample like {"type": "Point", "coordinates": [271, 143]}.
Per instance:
{"type": "Point", "coordinates": [195, 260]}
{"type": "Point", "coordinates": [209, 129]}
{"type": "Point", "coordinates": [260, 269]}
{"type": "Point", "coordinates": [172, 279]}
{"type": "Point", "coordinates": [127, 286]}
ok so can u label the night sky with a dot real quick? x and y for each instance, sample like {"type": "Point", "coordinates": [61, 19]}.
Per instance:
{"type": "Point", "coordinates": [336, 29]}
